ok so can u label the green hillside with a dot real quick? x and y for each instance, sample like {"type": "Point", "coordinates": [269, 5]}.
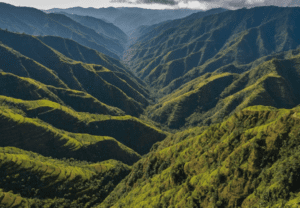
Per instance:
{"type": "Point", "coordinates": [31, 180]}
{"type": "Point", "coordinates": [33, 134]}
{"type": "Point", "coordinates": [249, 160]}
{"type": "Point", "coordinates": [64, 119]}
{"type": "Point", "coordinates": [209, 98]}
{"type": "Point", "coordinates": [70, 73]}
{"type": "Point", "coordinates": [29, 89]}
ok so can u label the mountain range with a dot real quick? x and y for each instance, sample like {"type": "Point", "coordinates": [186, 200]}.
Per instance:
{"type": "Point", "coordinates": [128, 107]}
{"type": "Point", "coordinates": [127, 19]}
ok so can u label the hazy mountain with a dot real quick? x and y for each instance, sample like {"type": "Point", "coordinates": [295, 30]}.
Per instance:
{"type": "Point", "coordinates": [128, 19]}
{"type": "Point", "coordinates": [35, 22]}
{"type": "Point", "coordinates": [100, 26]}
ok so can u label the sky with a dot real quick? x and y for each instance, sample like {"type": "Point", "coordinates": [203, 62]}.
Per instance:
{"type": "Point", "coordinates": [153, 4]}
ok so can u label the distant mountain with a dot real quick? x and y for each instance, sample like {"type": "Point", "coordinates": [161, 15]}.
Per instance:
{"type": "Point", "coordinates": [128, 19]}
{"type": "Point", "coordinates": [100, 26]}
{"type": "Point", "coordinates": [35, 22]}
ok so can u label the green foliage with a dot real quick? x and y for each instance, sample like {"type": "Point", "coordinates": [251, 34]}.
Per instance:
{"type": "Point", "coordinates": [249, 160]}
{"type": "Point", "coordinates": [67, 142]}
{"type": "Point", "coordinates": [132, 132]}
{"type": "Point", "coordinates": [176, 52]}
{"type": "Point", "coordinates": [31, 180]}
{"type": "Point", "coordinates": [213, 96]}
{"type": "Point", "coordinates": [60, 71]}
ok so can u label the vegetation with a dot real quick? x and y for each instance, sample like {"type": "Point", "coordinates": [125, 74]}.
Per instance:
{"type": "Point", "coordinates": [213, 96]}
{"type": "Point", "coordinates": [181, 50]}
{"type": "Point", "coordinates": [74, 131]}
{"type": "Point", "coordinates": [31, 180]}
{"type": "Point", "coordinates": [64, 72]}
{"type": "Point", "coordinates": [249, 160]}
{"type": "Point", "coordinates": [212, 120]}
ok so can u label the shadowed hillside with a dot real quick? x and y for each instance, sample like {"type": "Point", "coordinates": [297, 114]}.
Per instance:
{"type": "Point", "coordinates": [128, 19]}
{"type": "Point", "coordinates": [32, 134]}
{"type": "Point", "coordinates": [100, 26]}
{"type": "Point", "coordinates": [128, 130]}
{"type": "Point", "coordinates": [66, 72]}
{"type": "Point", "coordinates": [35, 22]}
{"type": "Point", "coordinates": [29, 89]}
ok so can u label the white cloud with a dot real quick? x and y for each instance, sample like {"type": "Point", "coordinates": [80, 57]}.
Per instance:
{"type": "Point", "coordinates": [166, 4]}
{"type": "Point", "coordinates": [193, 5]}
{"type": "Point", "coordinates": [254, 1]}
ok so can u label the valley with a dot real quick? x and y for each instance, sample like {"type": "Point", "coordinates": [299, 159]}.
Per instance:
{"type": "Point", "coordinates": [131, 107]}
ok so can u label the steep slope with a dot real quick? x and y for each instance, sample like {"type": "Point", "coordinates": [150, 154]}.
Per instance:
{"type": "Point", "coordinates": [77, 52]}
{"type": "Point", "coordinates": [29, 89]}
{"type": "Point", "coordinates": [249, 160]}
{"type": "Point", "coordinates": [130, 131]}
{"type": "Point", "coordinates": [76, 75]}
{"type": "Point", "coordinates": [197, 44]}
{"type": "Point", "coordinates": [211, 97]}
{"type": "Point", "coordinates": [31, 180]}
{"type": "Point", "coordinates": [35, 22]}
{"type": "Point", "coordinates": [32, 134]}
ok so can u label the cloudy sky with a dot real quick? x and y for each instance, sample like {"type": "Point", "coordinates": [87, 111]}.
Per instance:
{"type": "Point", "coordinates": [153, 4]}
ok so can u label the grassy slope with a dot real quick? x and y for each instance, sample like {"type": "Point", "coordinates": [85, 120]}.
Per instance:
{"type": "Point", "coordinates": [212, 96]}
{"type": "Point", "coordinates": [76, 75]}
{"type": "Point", "coordinates": [35, 180]}
{"type": "Point", "coordinates": [130, 131]}
{"type": "Point", "coordinates": [33, 134]}
{"type": "Point", "coordinates": [77, 52]}
{"type": "Point", "coordinates": [30, 89]}
{"type": "Point", "coordinates": [249, 160]}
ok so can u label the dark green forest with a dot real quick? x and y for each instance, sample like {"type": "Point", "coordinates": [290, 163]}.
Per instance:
{"type": "Point", "coordinates": [200, 109]}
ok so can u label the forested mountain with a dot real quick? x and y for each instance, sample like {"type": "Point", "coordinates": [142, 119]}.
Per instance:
{"type": "Point", "coordinates": [202, 111]}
